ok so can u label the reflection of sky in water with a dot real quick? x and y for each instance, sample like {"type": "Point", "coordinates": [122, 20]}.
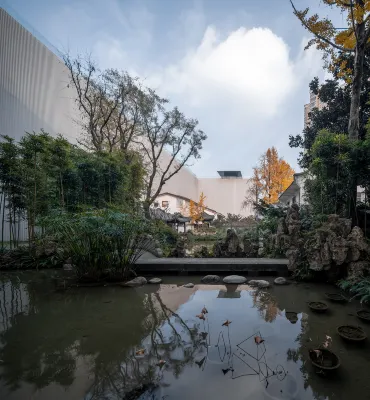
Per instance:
{"type": "Point", "coordinates": [214, 378]}
{"type": "Point", "coordinates": [81, 344]}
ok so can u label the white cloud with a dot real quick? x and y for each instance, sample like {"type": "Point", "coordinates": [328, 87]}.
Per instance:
{"type": "Point", "coordinates": [245, 89]}
{"type": "Point", "coordinates": [251, 68]}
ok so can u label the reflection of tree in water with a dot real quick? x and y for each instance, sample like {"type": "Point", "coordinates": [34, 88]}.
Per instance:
{"type": "Point", "coordinates": [266, 304]}
{"type": "Point", "coordinates": [45, 344]}
{"type": "Point", "coordinates": [167, 333]}
{"type": "Point", "coordinates": [251, 352]}
{"type": "Point", "coordinates": [42, 345]}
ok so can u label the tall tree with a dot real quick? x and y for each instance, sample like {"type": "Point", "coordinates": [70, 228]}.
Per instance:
{"type": "Point", "coordinates": [270, 178]}
{"type": "Point", "coordinates": [108, 102]}
{"type": "Point", "coordinates": [336, 41]}
{"type": "Point", "coordinates": [169, 141]}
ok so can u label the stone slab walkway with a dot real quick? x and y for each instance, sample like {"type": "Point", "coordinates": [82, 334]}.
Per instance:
{"type": "Point", "coordinates": [252, 266]}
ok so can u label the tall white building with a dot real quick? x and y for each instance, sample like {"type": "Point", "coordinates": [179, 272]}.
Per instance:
{"type": "Point", "coordinates": [315, 102]}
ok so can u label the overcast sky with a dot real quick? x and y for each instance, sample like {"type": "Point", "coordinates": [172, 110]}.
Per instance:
{"type": "Point", "coordinates": [238, 66]}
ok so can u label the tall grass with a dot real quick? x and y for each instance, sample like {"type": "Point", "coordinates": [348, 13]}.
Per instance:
{"type": "Point", "coordinates": [101, 243]}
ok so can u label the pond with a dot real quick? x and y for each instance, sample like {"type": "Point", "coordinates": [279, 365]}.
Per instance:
{"type": "Point", "coordinates": [101, 343]}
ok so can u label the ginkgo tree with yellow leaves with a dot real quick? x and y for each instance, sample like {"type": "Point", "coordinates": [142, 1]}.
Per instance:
{"type": "Point", "coordinates": [195, 210]}
{"type": "Point", "coordinates": [270, 178]}
{"type": "Point", "coordinates": [334, 41]}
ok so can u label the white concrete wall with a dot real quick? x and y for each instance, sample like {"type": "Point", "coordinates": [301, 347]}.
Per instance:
{"type": "Point", "coordinates": [174, 205]}
{"type": "Point", "coordinates": [225, 195]}
{"type": "Point", "coordinates": [300, 180]}
{"type": "Point", "coordinates": [33, 85]}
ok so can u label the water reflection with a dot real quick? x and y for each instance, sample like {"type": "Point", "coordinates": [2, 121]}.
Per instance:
{"type": "Point", "coordinates": [146, 343]}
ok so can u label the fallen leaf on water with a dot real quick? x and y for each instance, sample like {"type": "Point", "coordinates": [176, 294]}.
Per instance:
{"type": "Point", "coordinates": [258, 340]}
{"type": "Point", "coordinates": [140, 352]}
{"type": "Point", "coordinates": [225, 371]}
{"type": "Point", "coordinates": [226, 323]}
{"type": "Point", "coordinates": [201, 316]}
{"type": "Point", "coordinates": [328, 338]}
{"type": "Point", "coordinates": [161, 363]}
{"type": "Point", "coordinates": [317, 352]}
{"type": "Point", "coordinates": [200, 362]}
{"type": "Point", "coordinates": [326, 344]}
{"type": "Point", "coordinates": [204, 310]}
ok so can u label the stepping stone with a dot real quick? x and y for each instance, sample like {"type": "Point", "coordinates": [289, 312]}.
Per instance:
{"type": "Point", "coordinates": [155, 280]}
{"type": "Point", "coordinates": [259, 283]}
{"type": "Point", "coordinates": [281, 281]}
{"type": "Point", "coordinates": [235, 279]}
{"type": "Point", "coordinates": [138, 281]}
{"type": "Point", "coordinates": [210, 279]}
{"type": "Point", "coordinates": [189, 285]}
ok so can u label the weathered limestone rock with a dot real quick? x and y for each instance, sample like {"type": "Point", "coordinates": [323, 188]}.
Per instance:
{"type": "Point", "coordinates": [259, 283]}
{"type": "Point", "coordinates": [155, 280]}
{"type": "Point", "coordinates": [339, 249]}
{"type": "Point", "coordinates": [217, 249]}
{"type": "Point", "coordinates": [250, 247]}
{"type": "Point", "coordinates": [138, 281]}
{"type": "Point", "coordinates": [281, 281]}
{"type": "Point", "coordinates": [228, 248]}
{"type": "Point", "coordinates": [232, 243]}
{"type": "Point", "coordinates": [357, 270]}
{"type": "Point", "coordinates": [67, 267]}
{"type": "Point", "coordinates": [357, 239]}
{"type": "Point", "coordinates": [234, 279]}
{"type": "Point", "coordinates": [158, 252]}
{"type": "Point", "coordinates": [188, 285]}
{"type": "Point", "coordinates": [179, 251]}
{"type": "Point", "coordinates": [210, 279]}
{"type": "Point", "coordinates": [292, 255]}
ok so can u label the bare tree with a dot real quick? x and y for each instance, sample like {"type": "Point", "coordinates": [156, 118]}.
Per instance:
{"type": "Point", "coordinates": [169, 142]}
{"type": "Point", "coordinates": [108, 102]}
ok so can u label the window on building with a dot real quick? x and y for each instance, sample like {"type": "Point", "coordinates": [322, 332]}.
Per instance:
{"type": "Point", "coordinates": [179, 203]}
{"type": "Point", "coordinates": [288, 203]}
{"type": "Point", "coordinates": [359, 197]}
{"type": "Point", "coordinates": [156, 204]}
{"type": "Point", "coordinates": [165, 204]}
{"type": "Point", "coordinates": [294, 199]}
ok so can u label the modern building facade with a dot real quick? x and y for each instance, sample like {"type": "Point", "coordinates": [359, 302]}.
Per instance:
{"type": "Point", "coordinates": [315, 102]}
{"type": "Point", "coordinates": [223, 195]}
{"type": "Point", "coordinates": [35, 94]}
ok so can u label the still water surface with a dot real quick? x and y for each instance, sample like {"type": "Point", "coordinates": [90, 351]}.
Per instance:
{"type": "Point", "coordinates": [82, 343]}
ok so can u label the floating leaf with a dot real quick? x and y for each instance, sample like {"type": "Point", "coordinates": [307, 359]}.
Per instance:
{"type": "Point", "coordinates": [258, 340]}
{"type": "Point", "coordinates": [161, 363]}
{"type": "Point", "coordinates": [226, 323]}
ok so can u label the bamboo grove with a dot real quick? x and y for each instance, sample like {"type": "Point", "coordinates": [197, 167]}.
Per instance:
{"type": "Point", "coordinates": [40, 174]}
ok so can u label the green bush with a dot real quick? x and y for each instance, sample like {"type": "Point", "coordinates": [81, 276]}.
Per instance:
{"type": "Point", "coordinates": [24, 257]}
{"type": "Point", "coordinates": [360, 289]}
{"type": "Point", "coordinates": [103, 244]}
{"type": "Point", "coordinates": [166, 235]}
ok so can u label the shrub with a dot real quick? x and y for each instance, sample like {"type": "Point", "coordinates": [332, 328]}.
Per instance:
{"type": "Point", "coordinates": [359, 289]}
{"type": "Point", "coordinates": [101, 243]}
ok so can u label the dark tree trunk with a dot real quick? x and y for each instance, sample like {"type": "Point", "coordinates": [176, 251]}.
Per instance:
{"type": "Point", "coordinates": [354, 114]}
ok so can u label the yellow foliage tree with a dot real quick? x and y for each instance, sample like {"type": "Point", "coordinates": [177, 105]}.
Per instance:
{"type": "Point", "coordinates": [270, 178]}
{"type": "Point", "coordinates": [354, 38]}
{"type": "Point", "coordinates": [195, 210]}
